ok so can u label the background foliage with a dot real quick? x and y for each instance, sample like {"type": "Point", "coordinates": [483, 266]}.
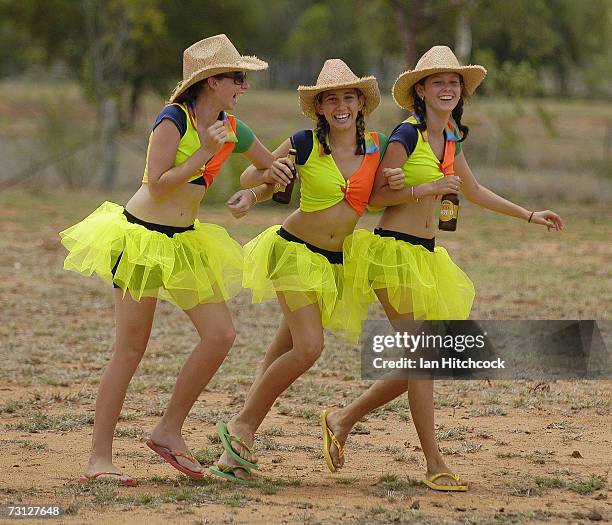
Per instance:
{"type": "Point", "coordinates": [119, 52]}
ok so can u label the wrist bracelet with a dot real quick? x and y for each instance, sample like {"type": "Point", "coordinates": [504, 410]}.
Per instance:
{"type": "Point", "coordinates": [254, 194]}
{"type": "Point", "coordinates": [531, 216]}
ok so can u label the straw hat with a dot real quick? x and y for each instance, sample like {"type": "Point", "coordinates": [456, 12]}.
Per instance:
{"type": "Point", "coordinates": [439, 59]}
{"type": "Point", "coordinates": [335, 74]}
{"type": "Point", "coordinates": [212, 56]}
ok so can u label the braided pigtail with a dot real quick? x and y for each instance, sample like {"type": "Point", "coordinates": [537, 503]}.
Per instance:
{"type": "Point", "coordinates": [419, 110]}
{"type": "Point", "coordinates": [360, 134]}
{"type": "Point", "coordinates": [457, 114]}
{"type": "Point", "coordinates": [322, 133]}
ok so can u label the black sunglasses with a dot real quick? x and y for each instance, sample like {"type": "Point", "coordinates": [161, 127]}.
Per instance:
{"type": "Point", "coordinates": [239, 77]}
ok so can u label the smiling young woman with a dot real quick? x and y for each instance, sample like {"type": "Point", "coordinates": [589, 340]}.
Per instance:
{"type": "Point", "coordinates": [155, 247]}
{"type": "Point", "coordinates": [399, 263]}
{"type": "Point", "coordinates": [300, 263]}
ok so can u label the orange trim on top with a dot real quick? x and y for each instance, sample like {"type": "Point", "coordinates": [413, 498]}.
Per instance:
{"type": "Point", "coordinates": [211, 169]}
{"type": "Point", "coordinates": [359, 185]}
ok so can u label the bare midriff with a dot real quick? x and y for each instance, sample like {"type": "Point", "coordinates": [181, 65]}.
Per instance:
{"type": "Point", "coordinates": [177, 208]}
{"type": "Point", "coordinates": [413, 218]}
{"type": "Point", "coordinates": [325, 229]}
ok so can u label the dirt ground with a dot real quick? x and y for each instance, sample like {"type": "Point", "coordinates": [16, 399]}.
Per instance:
{"type": "Point", "coordinates": [533, 452]}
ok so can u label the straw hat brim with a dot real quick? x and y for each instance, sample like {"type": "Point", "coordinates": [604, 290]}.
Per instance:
{"type": "Point", "coordinates": [246, 63]}
{"type": "Point", "coordinates": [402, 88]}
{"type": "Point", "coordinates": [367, 85]}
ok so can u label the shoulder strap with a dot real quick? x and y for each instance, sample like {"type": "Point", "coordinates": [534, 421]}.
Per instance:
{"type": "Point", "coordinates": [447, 166]}
{"type": "Point", "coordinates": [302, 142]}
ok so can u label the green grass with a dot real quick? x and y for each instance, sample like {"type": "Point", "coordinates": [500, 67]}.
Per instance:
{"type": "Point", "coordinates": [549, 482]}
{"type": "Point", "coordinates": [27, 444]}
{"type": "Point", "coordinates": [588, 486]}
{"type": "Point", "coordinates": [304, 413]}
{"type": "Point", "coordinates": [380, 514]}
{"type": "Point", "coordinates": [391, 485]}
{"type": "Point", "coordinates": [540, 457]}
{"type": "Point", "coordinates": [39, 422]}
{"type": "Point", "coordinates": [272, 432]}
{"type": "Point", "coordinates": [346, 481]}
{"type": "Point", "coordinates": [507, 454]}
{"type": "Point", "coordinates": [465, 447]}
{"type": "Point", "coordinates": [451, 433]}
{"type": "Point", "coordinates": [490, 410]}
{"type": "Point", "coordinates": [12, 406]}
{"type": "Point", "coordinates": [209, 455]}
{"type": "Point", "coordinates": [130, 432]}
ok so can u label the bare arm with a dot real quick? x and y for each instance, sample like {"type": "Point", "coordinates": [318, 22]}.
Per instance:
{"type": "Point", "coordinates": [257, 174]}
{"type": "Point", "coordinates": [164, 177]}
{"type": "Point", "coordinates": [478, 194]}
{"type": "Point", "coordinates": [261, 158]}
{"type": "Point", "coordinates": [389, 188]}
{"type": "Point", "coordinates": [240, 203]}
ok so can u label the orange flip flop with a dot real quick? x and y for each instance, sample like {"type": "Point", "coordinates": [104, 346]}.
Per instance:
{"type": "Point", "coordinates": [170, 457]}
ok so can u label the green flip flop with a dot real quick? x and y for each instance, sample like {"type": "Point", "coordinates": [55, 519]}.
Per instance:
{"type": "Point", "coordinates": [229, 473]}
{"type": "Point", "coordinates": [226, 440]}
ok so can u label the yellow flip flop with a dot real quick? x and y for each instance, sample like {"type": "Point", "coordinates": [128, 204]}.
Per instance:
{"type": "Point", "coordinates": [328, 440]}
{"type": "Point", "coordinates": [431, 483]}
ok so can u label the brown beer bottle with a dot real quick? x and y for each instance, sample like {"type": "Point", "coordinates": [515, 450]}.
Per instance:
{"type": "Point", "coordinates": [283, 195]}
{"type": "Point", "coordinates": [449, 212]}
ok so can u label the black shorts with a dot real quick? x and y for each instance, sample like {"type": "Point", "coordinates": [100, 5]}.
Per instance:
{"type": "Point", "coordinates": [170, 231]}
{"type": "Point", "coordinates": [428, 244]}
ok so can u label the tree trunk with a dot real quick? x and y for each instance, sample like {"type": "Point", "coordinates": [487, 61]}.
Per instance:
{"type": "Point", "coordinates": [110, 132]}
{"type": "Point", "coordinates": [463, 35]}
{"type": "Point", "coordinates": [135, 98]}
{"type": "Point", "coordinates": [408, 22]}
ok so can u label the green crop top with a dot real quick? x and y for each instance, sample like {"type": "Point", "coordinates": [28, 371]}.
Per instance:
{"type": "Point", "coordinates": [322, 183]}
{"type": "Point", "coordinates": [422, 165]}
{"type": "Point", "coordinates": [239, 139]}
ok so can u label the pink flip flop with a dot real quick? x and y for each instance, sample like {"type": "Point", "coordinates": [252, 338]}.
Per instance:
{"type": "Point", "coordinates": [170, 457]}
{"type": "Point", "coordinates": [129, 482]}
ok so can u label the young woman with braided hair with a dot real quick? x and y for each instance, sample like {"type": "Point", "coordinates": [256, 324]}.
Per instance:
{"type": "Point", "coordinates": [300, 262]}
{"type": "Point", "coordinates": [399, 263]}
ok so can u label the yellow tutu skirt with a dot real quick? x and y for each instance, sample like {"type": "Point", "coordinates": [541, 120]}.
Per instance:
{"type": "Point", "coordinates": [274, 264]}
{"type": "Point", "coordinates": [198, 265]}
{"type": "Point", "coordinates": [427, 284]}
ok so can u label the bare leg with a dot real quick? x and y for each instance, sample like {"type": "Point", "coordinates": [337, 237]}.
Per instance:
{"type": "Point", "coordinates": [307, 336]}
{"type": "Point", "coordinates": [281, 344]}
{"type": "Point", "coordinates": [213, 322]}
{"type": "Point", "coordinates": [133, 327]}
{"type": "Point", "coordinates": [420, 398]}
{"type": "Point", "coordinates": [342, 421]}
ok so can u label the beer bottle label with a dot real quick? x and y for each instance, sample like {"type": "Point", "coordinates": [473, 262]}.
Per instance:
{"type": "Point", "coordinates": [448, 211]}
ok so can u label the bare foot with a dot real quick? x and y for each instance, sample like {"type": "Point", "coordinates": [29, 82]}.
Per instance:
{"type": "Point", "coordinates": [437, 466]}
{"type": "Point", "coordinates": [228, 461]}
{"type": "Point", "coordinates": [341, 431]}
{"type": "Point", "coordinates": [103, 469]}
{"type": "Point", "coordinates": [175, 442]}
{"type": "Point", "coordinates": [243, 447]}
